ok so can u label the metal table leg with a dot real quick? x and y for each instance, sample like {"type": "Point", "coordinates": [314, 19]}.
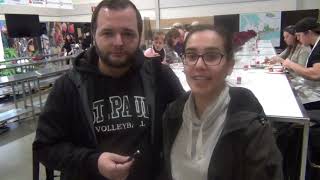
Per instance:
{"type": "Point", "coordinates": [304, 151]}
{"type": "Point", "coordinates": [31, 100]}
{"type": "Point", "coordinates": [15, 96]}
{"type": "Point", "coordinates": [39, 92]}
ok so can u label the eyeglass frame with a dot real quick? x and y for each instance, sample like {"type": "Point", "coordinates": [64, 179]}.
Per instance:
{"type": "Point", "coordinates": [202, 57]}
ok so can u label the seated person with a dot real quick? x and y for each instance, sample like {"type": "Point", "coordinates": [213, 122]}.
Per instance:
{"type": "Point", "coordinates": [295, 51]}
{"type": "Point", "coordinates": [172, 38]}
{"type": "Point", "coordinates": [179, 46]}
{"type": "Point", "coordinates": [216, 131]}
{"type": "Point", "coordinates": [157, 46]}
{"type": "Point", "coordinates": [308, 85]}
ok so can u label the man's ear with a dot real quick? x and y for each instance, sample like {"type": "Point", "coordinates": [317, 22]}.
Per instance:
{"type": "Point", "coordinates": [93, 40]}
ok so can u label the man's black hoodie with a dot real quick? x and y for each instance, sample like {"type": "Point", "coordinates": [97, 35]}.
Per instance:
{"type": "Point", "coordinates": [66, 137]}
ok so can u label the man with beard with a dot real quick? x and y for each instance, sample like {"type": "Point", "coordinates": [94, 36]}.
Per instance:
{"type": "Point", "coordinates": [108, 106]}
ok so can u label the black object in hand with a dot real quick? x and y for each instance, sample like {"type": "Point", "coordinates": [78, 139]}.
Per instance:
{"type": "Point", "coordinates": [134, 155]}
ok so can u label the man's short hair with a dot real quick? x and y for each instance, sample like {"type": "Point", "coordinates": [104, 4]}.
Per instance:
{"type": "Point", "coordinates": [115, 5]}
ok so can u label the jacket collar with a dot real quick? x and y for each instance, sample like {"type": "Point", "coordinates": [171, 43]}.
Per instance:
{"type": "Point", "coordinates": [83, 84]}
{"type": "Point", "coordinates": [239, 113]}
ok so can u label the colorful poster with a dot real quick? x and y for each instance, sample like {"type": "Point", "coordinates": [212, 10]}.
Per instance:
{"type": "Point", "coordinates": [1, 50]}
{"type": "Point", "coordinates": [15, 2]}
{"type": "Point", "coordinates": [267, 25]}
{"type": "Point", "coordinates": [63, 4]}
{"type": "Point", "coordinates": [53, 3]}
{"type": "Point", "coordinates": [38, 3]}
{"type": "Point", "coordinates": [59, 4]}
{"type": "Point", "coordinates": [66, 4]}
{"type": "Point", "coordinates": [4, 34]}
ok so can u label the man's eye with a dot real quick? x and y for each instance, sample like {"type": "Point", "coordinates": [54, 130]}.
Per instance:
{"type": "Point", "coordinates": [109, 34]}
{"type": "Point", "coordinates": [128, 34]}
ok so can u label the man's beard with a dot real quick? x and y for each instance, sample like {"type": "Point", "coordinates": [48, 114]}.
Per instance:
{"type": "Point", "coordinates": [106, 59]}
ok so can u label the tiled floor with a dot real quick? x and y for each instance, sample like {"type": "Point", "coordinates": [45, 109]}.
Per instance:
{"type": "Point", "coordinates": [16, 159]}
{"type": "Point", "coordinates": [16, 152]}
{"type": "Point", "coordinates": [16, 148]}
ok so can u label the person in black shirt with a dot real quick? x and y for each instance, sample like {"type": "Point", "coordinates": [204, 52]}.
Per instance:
{"type": "Point", "coordinates": [308, 33]}
{"type": "Point", "coordinates": [67, 44]}
{"type": "Point", "coordinates": [109, 105]}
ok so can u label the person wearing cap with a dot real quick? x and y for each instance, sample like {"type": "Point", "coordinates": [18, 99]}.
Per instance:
{"type": "Point", "coordinates": [295, 51]}
{"type": "Point", "coordinates": [308, 85]}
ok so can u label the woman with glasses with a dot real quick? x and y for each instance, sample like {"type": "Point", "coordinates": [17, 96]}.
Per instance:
{"type": "Point", "coordinates": [216, 131]}
{"type": "Point", "coordinates": [308, 84]}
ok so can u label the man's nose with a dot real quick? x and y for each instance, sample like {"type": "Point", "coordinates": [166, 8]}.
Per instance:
{"type": "Point", "coordinates": [118, 39]}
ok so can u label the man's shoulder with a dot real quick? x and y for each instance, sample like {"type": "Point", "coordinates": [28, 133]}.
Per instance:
{"type": "Point", "coordinates": [64, 81]}
{"type": "Point", "coordinates": [157, 67]}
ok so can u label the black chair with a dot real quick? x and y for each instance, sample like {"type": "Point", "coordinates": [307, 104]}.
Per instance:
{"type": "Point", "coordinates": [314, 144]}
{"type": "Point", "coordinates": [36, 169]}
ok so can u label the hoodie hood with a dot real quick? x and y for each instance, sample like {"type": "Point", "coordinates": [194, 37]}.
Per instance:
{"type": "Point", "coordinates": [87, 61]}
{"type": "Point", "coordinates": [243, 109]}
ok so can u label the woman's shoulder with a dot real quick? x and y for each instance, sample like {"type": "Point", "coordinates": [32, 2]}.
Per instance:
{"type": "Point", "coordinates": [303, 48]}
{"type": "Point", "coordinates": [243, 99]}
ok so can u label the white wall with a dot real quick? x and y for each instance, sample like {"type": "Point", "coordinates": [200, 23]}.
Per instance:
{"type": "Point", "coordinates": [46, 14]}
{"type": "Point", "coordinates": [308, 4]}
{"type": "Point", "coordinates": [233, 8]}
{"type": "Point", "coordinates": [146, 8]}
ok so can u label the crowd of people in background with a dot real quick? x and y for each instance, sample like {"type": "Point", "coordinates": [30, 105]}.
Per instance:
{"type": "Point", "coordinates": [302, 45]}
{"type": "Point", "coordinates": [169, 46]}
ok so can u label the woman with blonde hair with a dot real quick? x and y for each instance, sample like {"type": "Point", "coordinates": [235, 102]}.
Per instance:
{"type": "Point", "coordinates": [157, 48]}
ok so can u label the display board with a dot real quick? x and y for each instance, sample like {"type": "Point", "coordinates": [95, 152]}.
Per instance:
{"type": "Point", "coordinates": [267, 25]}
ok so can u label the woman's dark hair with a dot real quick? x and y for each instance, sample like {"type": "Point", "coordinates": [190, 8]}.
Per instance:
{"type": "Point", "coordinates": [290, 29]}
{"type": "Point", "coordinates": [223, 33]}
{"type": "Point", "coordinates": [306, 24]}
{"type": "Point", "coordinates": [115, 5]}
{"type": "Point", "coordinates": [171, 34]}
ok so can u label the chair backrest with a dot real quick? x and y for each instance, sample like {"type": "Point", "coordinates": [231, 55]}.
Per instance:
{"type": "Point", "coordinates": [36, 169]}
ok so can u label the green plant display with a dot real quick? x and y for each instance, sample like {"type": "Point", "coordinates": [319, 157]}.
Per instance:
{"type": "Point", "coordinates": [9, 53]}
